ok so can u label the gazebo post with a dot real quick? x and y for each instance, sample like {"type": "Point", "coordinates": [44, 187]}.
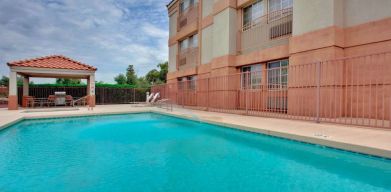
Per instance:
{"type": "Point", "coordinates": [13, 91]}
{"type": "Point", "coordinates": [91, 90]}
{"type": "Point", "coordinates": [26, 81]}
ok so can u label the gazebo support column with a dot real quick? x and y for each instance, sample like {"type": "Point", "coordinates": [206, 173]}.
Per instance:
{"type": "Point", "coordinates": [91, 90]}
{"type": "Point", "coordinates": [13, 92]}
{"type": "Point", "coordinates": [26, 81]}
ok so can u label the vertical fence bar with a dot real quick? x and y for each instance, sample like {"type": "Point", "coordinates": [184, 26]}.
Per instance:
{"type": "Point", "coordinates": [248, 83]}
{"type": "Point", "coordinates": [383, 91]}
{"type": "Point", "coordinates": [318, 92]}
{"type": "Point", "coordinates": [134, 95]}
{"type": "Point", "coordinates": [208, 94]}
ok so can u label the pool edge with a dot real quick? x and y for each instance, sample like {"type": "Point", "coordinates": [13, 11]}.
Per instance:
{"type": "Point", "coordinates": [366, 150]}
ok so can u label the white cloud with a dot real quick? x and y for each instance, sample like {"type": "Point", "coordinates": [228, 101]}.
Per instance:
{"type": "Point", "coordinates": [154, 31]}
{"type": "Point", "coordinates": [109, 34]}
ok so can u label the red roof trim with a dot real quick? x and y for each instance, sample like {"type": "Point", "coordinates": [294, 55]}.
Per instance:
{"type": "Point", "coordinates": [52, 62]}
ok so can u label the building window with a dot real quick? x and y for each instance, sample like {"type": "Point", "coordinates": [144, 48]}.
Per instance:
{"type": "Point", "coordinates": [277, 82]}
{"type": "Point", "coordinates": [181, 83]}
{"type": "Point", "coordinates": [276, 5]}
{"type": "Point", "coordinates": [252, 14]}
{"type": "Point", "coordinates": [279, 9]}
{"type": "Point", "coordinates": [186, 4]}
{"type": "Point", "coordinates": [191, 82]}
{"type": "Point", "coordinates": [184, 44]}
{"type": "Point", "coordinates": [193, 41]}
{"type": "Point", "coordinates": [277, 74]}
{"type": "Point", "coordinates": [251, 76]}
{"type": "Point", "coordinates": [187, 83]}
{"type": "Point", "coordinates": [190, 42]}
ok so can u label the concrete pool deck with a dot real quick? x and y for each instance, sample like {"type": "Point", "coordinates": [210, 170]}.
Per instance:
{"type": "Point", "coordinates": [358, 139]}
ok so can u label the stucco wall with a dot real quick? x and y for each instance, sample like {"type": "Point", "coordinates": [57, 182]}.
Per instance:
{"type": "Point", "coordinates": [362, 11]}
{"type": "Point", "coordinates": [172, 52]}
{"type": "Point", "coordinates": [316, 14]}
{"type": "Point", "coordinates": [207, 7]}
{"type": "Point", "coordinates": [224, 33]}
{"type": "Point", "coordinates": [207, 45]}
{"type": "Point", "coordinates": [173, 24]}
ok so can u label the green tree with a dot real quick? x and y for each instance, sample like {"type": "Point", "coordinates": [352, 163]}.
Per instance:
{"type": "Point", "coordinates": [156, 76]}
{"type": "Point", "coordinates": [4, 81]}
{"type": "Point", "coordinates": [142, 82]}
{"type": "Point", "coordinates": [99, 82]}
{"type": "Point", "coordinates": [131, 77]}
{"type": "Point", "coordinates": [120, 79]}
{"type": "Point", "coordinates": [66, 81]}
{"type": "Point", "coordinates": [163, 71]}
{"type": "Point", "coordinates": [153, 76]}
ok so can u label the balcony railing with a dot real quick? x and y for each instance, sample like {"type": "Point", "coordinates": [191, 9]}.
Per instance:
{"type": "Point", "coordinates": [188, 58]}
{"type": "Point", "coordinates": [267, 31]}
{"type": "Point", "coordinates": [188, 16]}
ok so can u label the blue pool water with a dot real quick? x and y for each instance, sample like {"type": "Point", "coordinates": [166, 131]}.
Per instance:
{"type": "Point", "coordinates": [152, 152]}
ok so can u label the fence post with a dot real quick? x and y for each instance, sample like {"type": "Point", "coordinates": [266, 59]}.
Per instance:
{"type": "Point", "coordinates": [103, 95]}
{"type": "Point", "coordinates": [134, 95]}
{"type": "Point", "coordinates": [248, 83]}
{"type": "Point", "coordinates": [318, 73]}
{"type": "Point", "coordinates": [207, 94]}
{"type": "Point", "coordinates": [166, 91]}
{"type": "Point", "coordinates": [183, 94]}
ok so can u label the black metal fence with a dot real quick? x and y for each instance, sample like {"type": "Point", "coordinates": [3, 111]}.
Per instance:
{"type": "Point", "coordinates": [104, 95]}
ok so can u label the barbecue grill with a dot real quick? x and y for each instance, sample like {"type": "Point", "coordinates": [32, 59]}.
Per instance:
{"type": "Point", "coordinates": [60, 97]}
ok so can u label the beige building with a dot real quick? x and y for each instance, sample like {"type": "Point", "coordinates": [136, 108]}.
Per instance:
{"type": "Point", "coordinates": [308, 59]}
{"type": "Point", "coordinates": [220, 37]}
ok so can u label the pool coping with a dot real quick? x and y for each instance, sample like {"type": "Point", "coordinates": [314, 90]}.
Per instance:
{"type": "Point", "coordinates": [365, 150]}
{"type": "Point", "coordinates": [362, 149]}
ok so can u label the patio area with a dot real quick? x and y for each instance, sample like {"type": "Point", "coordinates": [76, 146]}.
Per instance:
{"type": "Point", "coordinates": [364, 140]}
{"type": "Point", "coordinates": [55, 66]}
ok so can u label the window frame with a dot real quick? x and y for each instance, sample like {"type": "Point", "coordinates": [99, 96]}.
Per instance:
{"type": "Point", "coordinates": [280, 5]}
{"type": "Point", "coordinates": [251, 76]}
{"type": "Point", "coordinates": [191, 82]}
{"type": "Point", "coordinates": [280, 10]}
{"type": "Point", "coordinates": [252, 21]}
{"type": "Point", "coordinates": [189, 42]}
{"type": "Point", "coordinates": [180, 83]}
{"type": "Point", "coordinates": [280, 79]}
{"type": "Point", "coordinates": [192, 43]}
{"type": "Point", "coordinates": [191, 3]}
{"type": "Point", "coordinates": [182, 43]}
{"type": "Point", "coordinates": [187, 83]}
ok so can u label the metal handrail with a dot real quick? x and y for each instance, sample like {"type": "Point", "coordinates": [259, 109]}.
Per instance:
{"type": "Point", "coordinates": [165, 102]}
{"type": "Point", "coordinates": [78, 100]}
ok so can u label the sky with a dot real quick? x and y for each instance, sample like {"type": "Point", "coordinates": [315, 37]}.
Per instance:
{"type": "Point", "coordinates": [108, 34]}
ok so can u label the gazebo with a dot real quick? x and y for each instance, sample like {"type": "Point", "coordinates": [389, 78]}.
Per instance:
{"type": "Point", "coordinates": [55, 66]}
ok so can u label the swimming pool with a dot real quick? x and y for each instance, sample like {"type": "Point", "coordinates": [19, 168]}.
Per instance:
{"type": "Point", "coordinates": [153, 152]}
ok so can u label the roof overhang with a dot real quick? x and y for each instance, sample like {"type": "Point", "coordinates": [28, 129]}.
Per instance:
{"type": "Point", "coordinates": [52, 73]}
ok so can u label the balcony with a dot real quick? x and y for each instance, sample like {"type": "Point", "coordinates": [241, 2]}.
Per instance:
{"type": "Point", "coordinates": [267, 31]}
{"type": "Point", "coordinates": [188, 58]}
{"type": "Point", "coordinates": [187, 16]}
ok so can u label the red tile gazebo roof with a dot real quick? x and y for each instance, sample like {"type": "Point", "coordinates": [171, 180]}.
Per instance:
{"type": "Point", "coordinates": [52, 62]}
